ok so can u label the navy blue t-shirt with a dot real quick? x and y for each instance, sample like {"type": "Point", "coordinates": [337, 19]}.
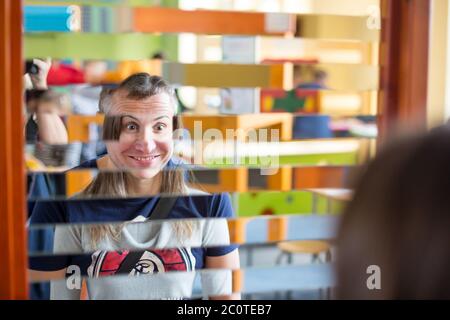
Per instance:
{"type": "Point", "coordinates": [113, 210]}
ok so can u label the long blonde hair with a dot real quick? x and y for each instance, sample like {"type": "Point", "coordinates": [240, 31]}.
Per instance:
{"type": "Point", "coordinates": [117, 184]}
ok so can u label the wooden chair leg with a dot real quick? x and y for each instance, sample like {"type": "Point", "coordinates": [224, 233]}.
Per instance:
{"type": "Point", "coordinates": [290, 258]}
{"type": "Point", "coordinates": [328, 256]}
{"type": "Point", "coordinates": [315, 258]}
{"type": "Point", "coordinates": [280, 258]}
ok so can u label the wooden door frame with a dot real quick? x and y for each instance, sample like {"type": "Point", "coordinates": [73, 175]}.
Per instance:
{"type": "Point", "coordinates": [13, 268]}
{"type": "Point", "coordinates": [404, 53]}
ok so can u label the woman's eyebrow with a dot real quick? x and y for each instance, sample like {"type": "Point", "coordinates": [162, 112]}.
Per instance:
{"type": "Point", "coordinates": [136, 119]}
{"type": "Point", "coordinates": [129, 116]}
{"type": "Point", "coordinates": [160, 117]}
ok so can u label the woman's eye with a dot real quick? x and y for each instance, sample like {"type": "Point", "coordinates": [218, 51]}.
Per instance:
{"type": "Point", "coordinates": [131, 127]}
{"type": "Point", "coordinates": [159, 127]}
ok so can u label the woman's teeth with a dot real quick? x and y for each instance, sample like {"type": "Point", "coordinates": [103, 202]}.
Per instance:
{"type": "Point", "coordinates": [144, 158]}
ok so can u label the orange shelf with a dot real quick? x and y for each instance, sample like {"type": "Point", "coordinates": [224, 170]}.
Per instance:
{"type": "Point", "coordinates": [212, 21]}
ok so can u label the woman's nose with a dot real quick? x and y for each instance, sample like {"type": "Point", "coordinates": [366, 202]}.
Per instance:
{"type": "Point", "coordinates": [145, 141]}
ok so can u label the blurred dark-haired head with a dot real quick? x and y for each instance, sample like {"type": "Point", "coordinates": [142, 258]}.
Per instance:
{"type": "Point", "coordinates": [399, 222]}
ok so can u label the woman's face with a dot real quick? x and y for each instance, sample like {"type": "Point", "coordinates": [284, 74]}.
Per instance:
{"type": "Point", "coordinates": [146, 140]}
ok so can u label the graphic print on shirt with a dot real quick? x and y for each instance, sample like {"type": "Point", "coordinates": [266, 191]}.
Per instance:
{"type": "Point", "coordinates": [107, 263]}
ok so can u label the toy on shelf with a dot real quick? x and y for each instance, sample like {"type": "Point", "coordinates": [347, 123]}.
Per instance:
{"type": "Point", "coordinates": [298, 100]}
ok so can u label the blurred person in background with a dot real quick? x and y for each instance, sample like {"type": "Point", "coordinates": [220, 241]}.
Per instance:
{"type": "Point", "coordinates": [43, 120]}
{"type": "Point", "coordinates": [44, 129]}
{"type": "Point", "coordinates": [394, 236]}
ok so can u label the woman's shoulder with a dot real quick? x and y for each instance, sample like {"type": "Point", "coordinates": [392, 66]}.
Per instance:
{"type": "Point", "coordinates": [207, 205]}
{"type": "Point", "coordinates": [89, 164]}
{"type": "Point", "coordinates": [196, 192]}
{"type": "Point", "coordinates": [49, 212]}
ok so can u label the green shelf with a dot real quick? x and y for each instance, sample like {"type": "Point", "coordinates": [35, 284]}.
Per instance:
{"type": "Point", "coordinates": [86, 46]}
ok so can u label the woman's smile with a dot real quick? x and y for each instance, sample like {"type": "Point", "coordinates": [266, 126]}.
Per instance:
{"type": "Point", "coordinates": [144, 160]}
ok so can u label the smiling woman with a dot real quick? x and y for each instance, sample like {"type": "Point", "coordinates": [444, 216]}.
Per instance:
{"type": "Point", "coordinates": [138, 131]}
